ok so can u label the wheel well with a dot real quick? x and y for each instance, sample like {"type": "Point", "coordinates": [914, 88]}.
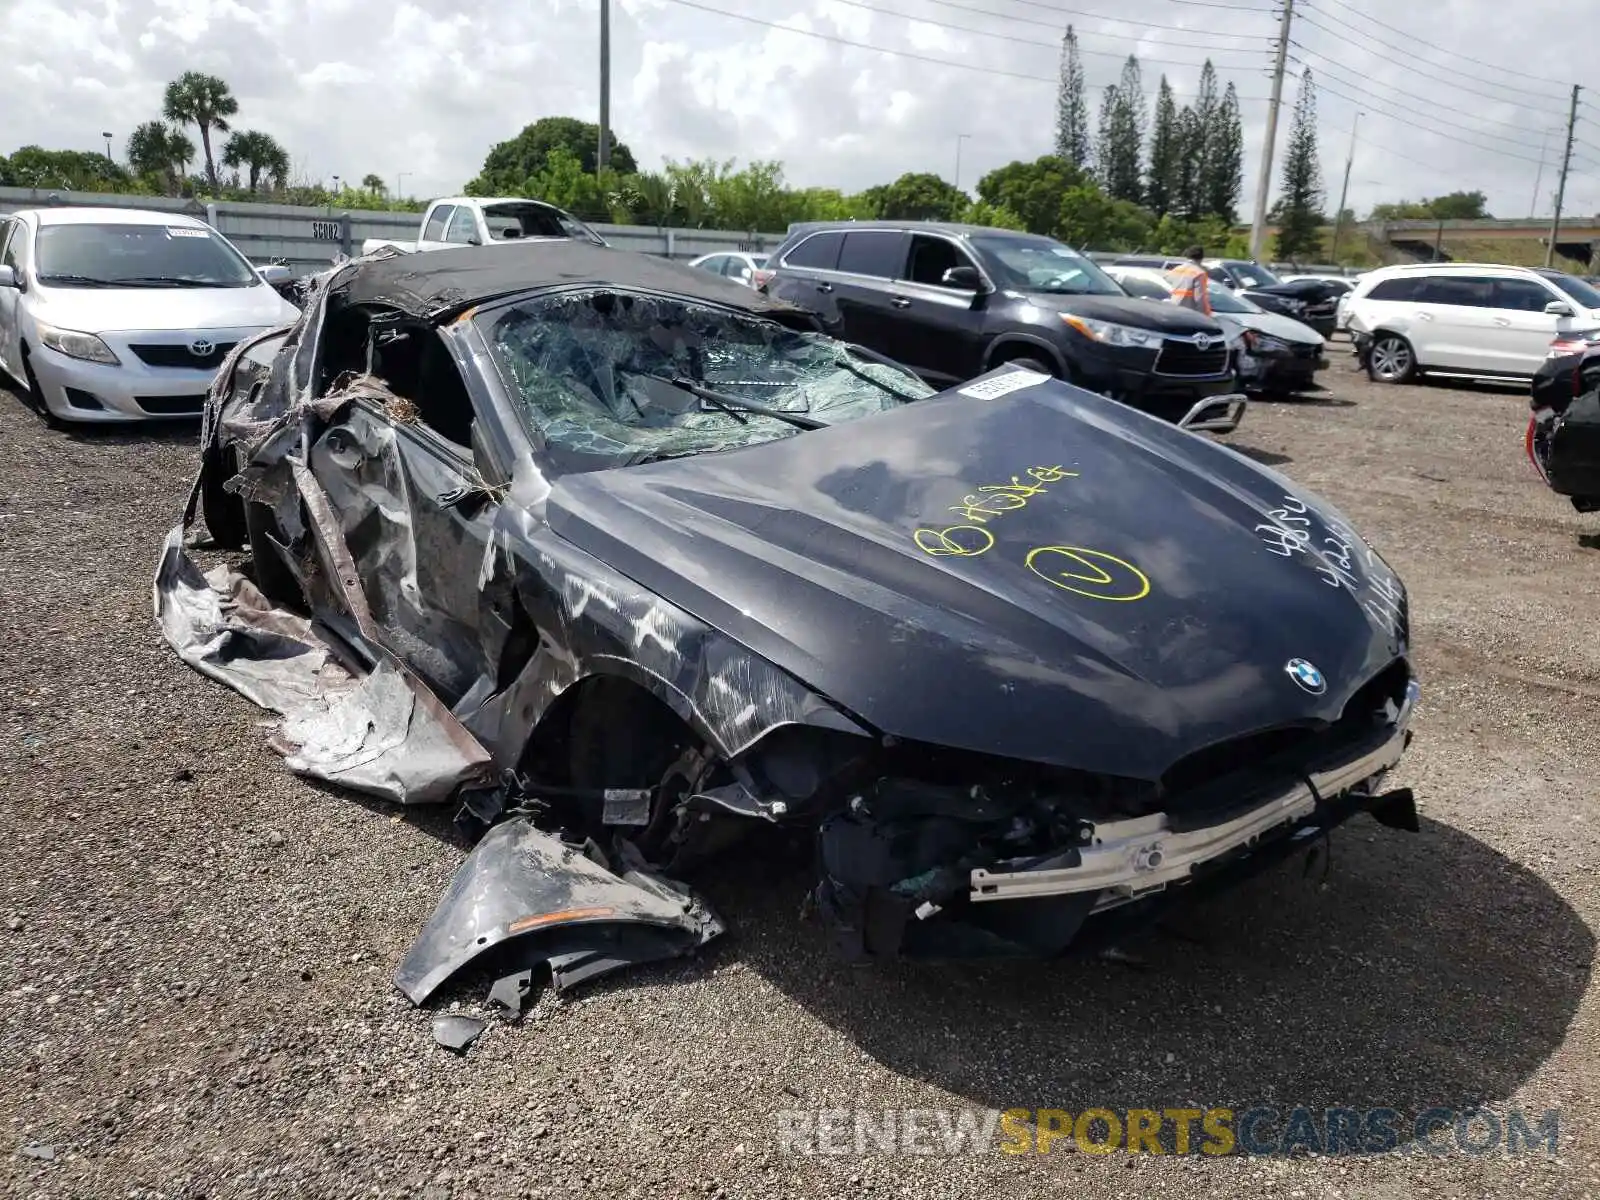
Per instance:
{"type": "Point", "coordinates": [593, 700]}
{"type": "Point", "coordinates": [1010, 351]}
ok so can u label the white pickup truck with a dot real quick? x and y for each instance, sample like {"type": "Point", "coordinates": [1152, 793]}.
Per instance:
{"type": "Point", "coordinates": [477, 221]}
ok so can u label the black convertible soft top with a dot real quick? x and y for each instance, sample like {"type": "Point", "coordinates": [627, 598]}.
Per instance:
{"type": "Point", "coordinates": [439, 284]}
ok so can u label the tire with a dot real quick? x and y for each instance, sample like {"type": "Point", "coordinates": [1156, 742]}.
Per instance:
{"type": "Point", "coordinates": [33, 394]}
{"type": "Point", "coordinates": [1027, 364]}
{"type": "Point", "coordinates": [1390, 359]}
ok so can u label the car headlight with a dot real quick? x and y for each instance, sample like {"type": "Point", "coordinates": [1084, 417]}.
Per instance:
{"type": "Point", "coordinates": [1265, 343]}
{"type": "Point", "coordinates": [76, 345]}
{"type": "Point", "coordinates": [1113, 335]}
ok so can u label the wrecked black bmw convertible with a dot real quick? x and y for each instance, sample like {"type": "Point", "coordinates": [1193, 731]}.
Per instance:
{"type": "Point", "coordinates": [629, 561]}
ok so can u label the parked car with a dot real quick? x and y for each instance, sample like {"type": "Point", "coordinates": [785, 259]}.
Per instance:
{"type": "Point", "coordinates": [635, 562]}
{"type": "Point", "coordinates": [125, 314]}
{"type": "Point", "coordinates": [1314, 302]}
{"type": "Point", "coordinates": [1275, 353]}
{"type": "Point", "coordinates": [1563, 439]}
{"type": "Point", "coordinates": [738, 265]}
{"type": "Point", "coordinates": [953, 301]}
{"type": "Point", "coordinates": [475, 221]}
{"type": "Point", "coordinates": [1477, 320]}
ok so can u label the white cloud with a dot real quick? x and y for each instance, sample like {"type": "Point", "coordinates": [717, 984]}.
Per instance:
{"type": "Point", "coordinates": [352, 86]}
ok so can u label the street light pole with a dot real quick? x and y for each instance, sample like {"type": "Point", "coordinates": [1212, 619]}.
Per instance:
{"type": "Point", "coordinates": [400, 184]}
{"type": "Point", "coordinates": [603, 158]}
{"type": "Point", "coordinates": [1344, 192]}
{"type": "Point", "coordinates": [960, 137]}
{"type": "Point", "coordinates": [107, 137]}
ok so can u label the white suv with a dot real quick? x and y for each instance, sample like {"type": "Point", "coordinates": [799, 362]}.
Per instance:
{"type": "Point", "coordinates": [1470, 319]}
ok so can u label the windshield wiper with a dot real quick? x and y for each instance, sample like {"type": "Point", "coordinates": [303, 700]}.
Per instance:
{"type": "Point", "coordinates": [77, 280]}
{"type": "Point", "coordinates": [881, 360]}
{"type": "Point", "coordinates": [734, 405]}
{"type": "Point", "coordinates": [167, 281]}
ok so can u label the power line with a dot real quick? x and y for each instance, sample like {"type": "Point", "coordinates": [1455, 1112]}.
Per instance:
{"type": "Point", "coordinates": [1410, 119]}
{"type": "Point", "coordinates": [1368, 18]}
{"type": "Point", "coordinates": [1228, 7]}
{"type": "Point", "coordinates": [1035, 42]}
{"type": "Point", "coordinates": [1412, 67]}
{"type": "Point", "coordinates": [913, 55]}
{"type": "Point", "coordinates": [1075, 12]}
{"type": "Point", "coordinates": [1520, 126]}
{"type": "Point", "coordinates": [1358, 84]}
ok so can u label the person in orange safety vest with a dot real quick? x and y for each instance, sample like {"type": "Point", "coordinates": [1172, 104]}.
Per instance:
{"type": "Point", "coordinates": [1192, 284]}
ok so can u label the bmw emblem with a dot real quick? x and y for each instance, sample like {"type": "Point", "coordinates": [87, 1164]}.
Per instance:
{"type": "Point", "coordinates": [1306, 676]}
{"type": "Point", "coordinates": [201, 347]}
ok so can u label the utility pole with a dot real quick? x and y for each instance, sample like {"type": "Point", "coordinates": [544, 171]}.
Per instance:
{"type": "Point", "coordinates": [1259, 228]}
{"type": "Point", "coordinates": [603, 158]}
{"type": "Point", "coordinates": [1561, 188]}
{"type": "Point", "coordinates": [1344, 192]}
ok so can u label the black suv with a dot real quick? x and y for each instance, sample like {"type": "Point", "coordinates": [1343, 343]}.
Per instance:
{"type": "Point", "coordinates": [953, 301]}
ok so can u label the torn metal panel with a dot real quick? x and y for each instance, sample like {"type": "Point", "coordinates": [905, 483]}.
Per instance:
{"type": "Point", "coordinates": [522, 885]}
{"type": "Point", "coordinates": [375, 734]}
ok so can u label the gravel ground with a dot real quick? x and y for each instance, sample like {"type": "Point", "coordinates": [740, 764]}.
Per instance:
{"type": "Point", "coordinates": [195, 948]}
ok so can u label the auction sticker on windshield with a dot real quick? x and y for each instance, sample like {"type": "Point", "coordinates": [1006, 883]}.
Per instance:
{"type": "Point", "coordinates": [178, 231]}
{"type": "Point", "coordinates": [1002, 385]}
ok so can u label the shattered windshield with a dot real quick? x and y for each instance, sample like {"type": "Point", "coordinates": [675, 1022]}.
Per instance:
{"type": "Point", "coordinates": [610, 378]}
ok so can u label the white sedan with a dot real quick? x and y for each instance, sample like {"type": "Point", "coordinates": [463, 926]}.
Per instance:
{"type": "Point", "coordinates": [748, 269]}
{"type": "Point", "coordinates": [111, 314]}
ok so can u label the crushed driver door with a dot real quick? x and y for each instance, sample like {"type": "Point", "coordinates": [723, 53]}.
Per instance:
{"type": "Point", "coordinates": [417, 523]}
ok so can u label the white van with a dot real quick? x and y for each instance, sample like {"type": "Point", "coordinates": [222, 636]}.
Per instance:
{"type": "Point", "coordinates": [1477, 320]}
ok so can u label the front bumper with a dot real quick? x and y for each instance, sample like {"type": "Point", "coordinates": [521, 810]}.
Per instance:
{"type": "Point", "coordinates": [1126, 860]}
{"type": "Point", "coordinates": [1131, 377]}
{"type": "Point", "coordinates": [1280, 372]}
{"type": "Point", "coordinates": [1112, 878]}
{"type": "Point", "coordinates": [131, 389]}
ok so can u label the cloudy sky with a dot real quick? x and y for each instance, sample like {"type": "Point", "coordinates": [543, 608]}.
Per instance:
{"type": "Point", "coordinates": [385, 86]}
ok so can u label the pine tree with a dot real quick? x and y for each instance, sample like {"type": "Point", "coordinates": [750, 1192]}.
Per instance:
{"type": "Point", "coordinates": [1072, 106]}
{"type": "Point", "coordinates": [1166, 148]}
{"type": "Point", "coordinates": [1187, 153]}
{"type": "Point", "coordinates": [1224, 182]}
{"type": "Point", "coordinates": [1106, 137]}
{"type": "Point", "coordinates": [1121, 145]}
{"type": "Point", "coordinates": [1300, 205]}
{"type": "Point", "coordinates": [1202, 144]}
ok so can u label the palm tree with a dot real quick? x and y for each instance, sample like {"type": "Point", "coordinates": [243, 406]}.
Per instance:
{"type": "Point", "coordinates": [156, 148]}
{"type": "Point", "coordinates": [373, 183]}
{"type": "Point", "coordinates": [205, 102]}
{"type": "Point", "coordinates": [259, 153]}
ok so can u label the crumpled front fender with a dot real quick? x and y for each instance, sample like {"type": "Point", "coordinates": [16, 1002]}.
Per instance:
{"type": "Point", "coordinates": [537, 900]}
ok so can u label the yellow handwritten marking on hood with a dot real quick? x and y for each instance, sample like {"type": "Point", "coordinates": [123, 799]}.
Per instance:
{"type": "Point", "coordinates": [1126, 582]}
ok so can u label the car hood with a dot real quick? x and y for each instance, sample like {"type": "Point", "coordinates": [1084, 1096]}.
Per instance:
{"type": "Point", "coordinates": [107, 310]}
{"type": "Point", "coordinates": [1044, 575]}
{"type": "Point", "coordinates": [1279, 326]}
{"type": "Point", "coordinates": [1127, 310]}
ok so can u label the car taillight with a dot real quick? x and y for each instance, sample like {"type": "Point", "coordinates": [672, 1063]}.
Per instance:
{"type": "Point", "coordinates": [760, 277]}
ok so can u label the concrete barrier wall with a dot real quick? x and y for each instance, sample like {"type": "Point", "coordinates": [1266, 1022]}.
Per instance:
{"type": "Point", "coordinates": [308, 239]}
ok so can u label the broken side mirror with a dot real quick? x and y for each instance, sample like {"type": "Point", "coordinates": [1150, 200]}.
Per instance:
{"type": "Point", "coordinates": [8, 278]}
{"type": "Point", "coordinates": [1558, 308]}
{"type": "Point", "coordinates": [965, 278]}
